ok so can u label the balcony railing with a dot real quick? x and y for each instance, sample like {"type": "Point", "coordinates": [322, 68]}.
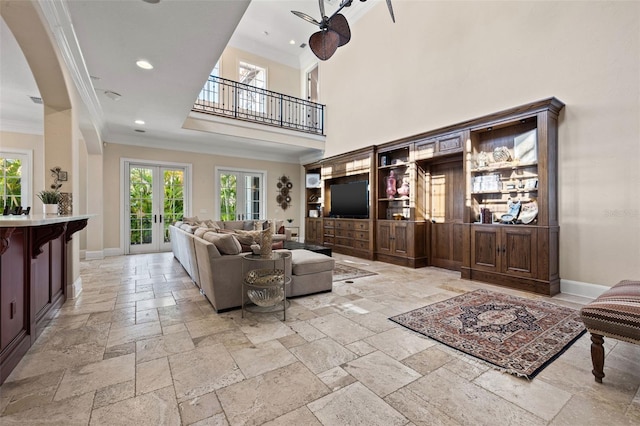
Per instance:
{"type": "Point", "coordinates": [228, 98]}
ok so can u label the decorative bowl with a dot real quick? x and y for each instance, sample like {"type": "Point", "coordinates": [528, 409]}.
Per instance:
{"type": "Point", "coordinates": [267, 296]}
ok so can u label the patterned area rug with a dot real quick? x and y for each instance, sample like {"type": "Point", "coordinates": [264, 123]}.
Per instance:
{"type": "Point", "coordinates": [519, 336]}
{"type": "Point", "coordinates": [342, 272]}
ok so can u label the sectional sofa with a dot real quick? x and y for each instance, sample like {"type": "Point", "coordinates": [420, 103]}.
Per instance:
{"type": "Point", "coordinates": [213, 259]}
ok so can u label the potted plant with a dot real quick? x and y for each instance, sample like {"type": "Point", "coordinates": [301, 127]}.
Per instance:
{"type": "Point", "coordinates": [50, 200]}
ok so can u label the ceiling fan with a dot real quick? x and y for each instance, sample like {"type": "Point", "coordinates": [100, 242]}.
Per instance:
{"type": "Point", "coordinates": [334, 30]}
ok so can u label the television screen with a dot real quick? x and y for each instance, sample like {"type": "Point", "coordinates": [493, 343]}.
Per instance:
{"type": "Point", "coordinates": [350, 200]}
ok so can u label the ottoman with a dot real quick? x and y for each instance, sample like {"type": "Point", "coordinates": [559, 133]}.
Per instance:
{"type": "Point", "coordinates": [310, 273]}
{"type": "Point", "coordinates": [616, 314]}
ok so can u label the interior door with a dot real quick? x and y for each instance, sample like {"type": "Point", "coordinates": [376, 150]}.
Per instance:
{"type": "Point", "coordinates": [447, 202]}
{"type": "Point", "coordinates": [155, 200]}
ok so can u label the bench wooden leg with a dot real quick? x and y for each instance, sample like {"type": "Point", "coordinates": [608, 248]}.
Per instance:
{"type": "Point", "coordinates": [597, 356]}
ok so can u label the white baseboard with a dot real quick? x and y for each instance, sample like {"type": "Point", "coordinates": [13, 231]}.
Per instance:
{"type": "Point", "coordinates": [74, 290]}
{"type": "Point", "coordinates": [578, 288]}
{"type": "Point", "coordinates": [113, 252]}
{"type": "Point", "coordinates": [94, 255]}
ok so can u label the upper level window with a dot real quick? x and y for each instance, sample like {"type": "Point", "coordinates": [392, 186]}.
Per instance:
{"type": "Point", "coordinates": [15, 179]}
{"type": "Point", "coordinates": [252, 98]}
{"type": "Point", "coordinates": [210, 93]}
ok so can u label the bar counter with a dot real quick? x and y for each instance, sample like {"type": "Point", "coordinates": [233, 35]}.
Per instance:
{"type": "Point", "coordinates": [33, 278]}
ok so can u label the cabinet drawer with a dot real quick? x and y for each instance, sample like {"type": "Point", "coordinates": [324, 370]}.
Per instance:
{"type": "Point", "coordinates": [347, 242]}
{"type": "Point", "coordinates": [362, 235]}
{"type": "Point", "coordinates": [344, 225]}
{"type": "Point", "coordinates": [361, 226]}
{"type": "Point", "coordinates": [329, 232]}
{"type": "Point", "coordinates": [347, 233]}
{"type": "Point", "coordinates": [361, 245]}
{"type": "Point", "coordinates": [328, 241]}
{"type": "Point", "coordinates": [329, 223]}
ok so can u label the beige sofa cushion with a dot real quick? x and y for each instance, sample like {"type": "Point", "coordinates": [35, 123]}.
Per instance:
{"type": "Point", "coordinates": [225, 243]}
{"type": "Point", "coordinates": [306, 262]}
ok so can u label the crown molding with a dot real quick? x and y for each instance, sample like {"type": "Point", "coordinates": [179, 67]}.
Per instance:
{"type": "Point", "coordinates": [58, 21]}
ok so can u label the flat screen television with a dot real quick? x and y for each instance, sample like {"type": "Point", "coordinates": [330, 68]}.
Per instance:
{"type": "Point", "coordinates": [350, 200]}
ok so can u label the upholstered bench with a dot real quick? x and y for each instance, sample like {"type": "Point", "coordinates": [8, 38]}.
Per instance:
{"type": "Point", "coordinates": [616, 314]}
{"type": "Point", "coordinates": [310, 273]}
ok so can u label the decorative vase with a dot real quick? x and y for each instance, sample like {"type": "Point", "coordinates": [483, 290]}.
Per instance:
{"type": "Point", "coordinates": [404, 189]}
{"type": "Point", "coordinates": [266, 239]}
{"type": "Point", "coordinates": [391, 184]}
{"type": "Point", "coordinates": [50, 209]}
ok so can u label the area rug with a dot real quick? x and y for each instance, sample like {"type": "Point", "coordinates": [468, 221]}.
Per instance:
{"type": "Point", "coordinates": [519, 336]}
{"type": "Point", "coordinates": [342, 272]}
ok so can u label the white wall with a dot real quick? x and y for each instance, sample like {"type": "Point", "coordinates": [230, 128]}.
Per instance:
{"type": "Point", "coordinates": [444, 62]}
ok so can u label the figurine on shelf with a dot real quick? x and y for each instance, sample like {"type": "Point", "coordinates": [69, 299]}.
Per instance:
{"type": "Point", "coordinates": [404, 189]}
{"type": "Point", "coordinates": [391, 184]}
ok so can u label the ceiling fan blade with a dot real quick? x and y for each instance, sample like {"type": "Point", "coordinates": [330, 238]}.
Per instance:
{"type": "Point", "coordinates": [321, 3]}
{"type": "Point", "coordinates": [324, 43]}
{"type": "Point", "coordinates": [393, 18]}
{"type": "Point", "coordinates": [305, 17]}
{"type": "Point", "coordinates": [339, 24]}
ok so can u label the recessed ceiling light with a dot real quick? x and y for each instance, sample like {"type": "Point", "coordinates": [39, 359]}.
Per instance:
{"type": "Point", "coordinates": [144, 64]}
{"type": "Point", "coordinates": [140, 122]}
{"type": "Point", "coordinates": [292, 42]}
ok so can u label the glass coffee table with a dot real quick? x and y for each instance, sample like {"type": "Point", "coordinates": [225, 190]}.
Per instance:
{"type": "Point", "coordinates": [294, 245]}
{"type": "Point", "coordinates": [265, 282]}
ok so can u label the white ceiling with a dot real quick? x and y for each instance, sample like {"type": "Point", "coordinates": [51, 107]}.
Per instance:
{"type": "Point", "coordinates": [183, 39]}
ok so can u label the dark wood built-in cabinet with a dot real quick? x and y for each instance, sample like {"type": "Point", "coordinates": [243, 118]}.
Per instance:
{"type": "Point", "coordinates": [454, 190]}
{"type": "Point", "coordinates": [32, 284]}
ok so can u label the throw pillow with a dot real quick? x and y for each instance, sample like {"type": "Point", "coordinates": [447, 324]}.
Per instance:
{"type": "Point", "coordinates": [247, 225]}
{"type": "Point", "coordinates": [211, 224]}
{"type": "Point", "coordinates": [200, 231]}
{"type": "Point", "coordinates": [191, 220]}
{"type": "Point", "coordinates": [277, 246]}
{"type": "Point", "coordinates": [225, 243]}
{"type": "Point", "coordinates": [259, 225]}
{"type": "Point", "coordinates": [188, 228]}
{"type": "Point", "coordinates": [178, 223]}
{"type": "Point", "coordinates": [248, 237]}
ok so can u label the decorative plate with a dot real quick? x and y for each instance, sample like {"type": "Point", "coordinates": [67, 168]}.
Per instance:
{"type": "Point", "coordinates": [279, 185]}
{"type": "Point", "coordinates": [529, 212]}
{"type": "Point", "coordinates": [284, 190]}
{"type": "Point", "coordinates": [284, 179]}
{"type": "Point", "coordinates": [289, 185]}
{"type": "Point", "coordinates": [279, 199]}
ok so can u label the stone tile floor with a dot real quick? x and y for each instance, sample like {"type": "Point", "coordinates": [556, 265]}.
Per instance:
{"type": "Point", "coordinates": [142, 346]}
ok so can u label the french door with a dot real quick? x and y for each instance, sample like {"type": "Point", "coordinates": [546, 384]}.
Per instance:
{"type": "Point", "coordinates": [240, 194]}
{"type": "Point", "coordinates": [155, 199]}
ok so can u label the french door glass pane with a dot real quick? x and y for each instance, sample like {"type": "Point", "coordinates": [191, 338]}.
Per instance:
{"type": "Point", "coordinates": [141, 202]}
{"type": "Point", "coordinates": [173, 208]}
{"type": "Point", "coordinates": [228, 196]}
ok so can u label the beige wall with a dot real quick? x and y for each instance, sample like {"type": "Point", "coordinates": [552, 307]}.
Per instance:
{"type": "Point", "coordinates": [203, 183]}
{"type": "Point", "coordinates": [280, 78]}
{"type": "Point", "coordinates": [446, 62]}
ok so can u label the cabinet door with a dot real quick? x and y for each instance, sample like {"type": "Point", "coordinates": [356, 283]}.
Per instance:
{"type": "Point", "coordinates": [400, 239]}
{"type": "Point", "coordinates": [519, 251]}
{"type": "Point", "coordinates": [12, 289]}
{"type": "Point", "coordinates": [485, 249]}
{"type": "Point", "coordinates": [383, 238]}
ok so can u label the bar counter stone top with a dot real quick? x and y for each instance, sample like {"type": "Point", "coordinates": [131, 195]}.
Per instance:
{"type": "Point", "coordinates": [17, 221]}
